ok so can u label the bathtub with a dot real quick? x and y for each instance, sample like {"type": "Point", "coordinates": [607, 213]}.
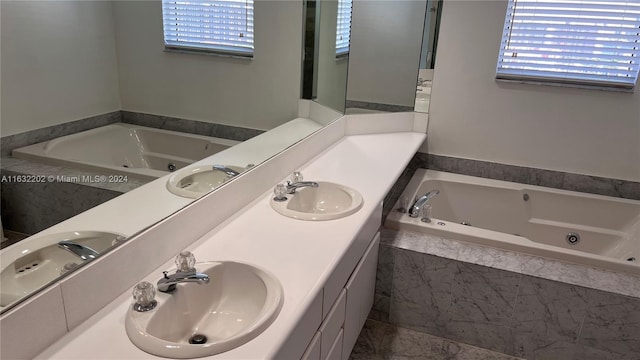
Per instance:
{"type": "Point", "coordinates": [125, 149]}
{"type": "Point", "coordinates": [581, 228]}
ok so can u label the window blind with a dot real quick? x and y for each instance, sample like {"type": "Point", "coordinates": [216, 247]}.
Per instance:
{"type": "Point", "coordinates": [221, 26]}
{"type": "Point", "coordinates": [343, 31]}
{"type": "Point", "coordinates": [582, 42]}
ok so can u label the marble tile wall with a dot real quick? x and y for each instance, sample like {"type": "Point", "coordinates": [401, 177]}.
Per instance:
{"type": "Point", "coordinates": [503, 311]}
{"type": "Point", "coordinates": [190, 126]}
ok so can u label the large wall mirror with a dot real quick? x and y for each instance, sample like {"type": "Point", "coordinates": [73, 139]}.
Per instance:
{"type": "Point", "coordinates": [393, 52]}
{"type": "Point", "coordinates": [104, 132]}
{"type": "Point", "coordinates": [322, 54]}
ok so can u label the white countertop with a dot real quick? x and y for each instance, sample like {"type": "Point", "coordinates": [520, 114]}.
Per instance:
{"type": "Point", "coordinates": [300, 254]}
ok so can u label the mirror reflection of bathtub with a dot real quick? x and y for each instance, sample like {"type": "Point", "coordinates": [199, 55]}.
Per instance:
{"type": "Point", "coordinates": [112, 81]}
{"type": "Point", "coordinates": [125, 149]}
{"type": "Point", "coordinates": [143, 204]}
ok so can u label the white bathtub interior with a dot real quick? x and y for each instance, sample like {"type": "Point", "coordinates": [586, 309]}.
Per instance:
{"type": "Point", "coordinates": [521, 217]}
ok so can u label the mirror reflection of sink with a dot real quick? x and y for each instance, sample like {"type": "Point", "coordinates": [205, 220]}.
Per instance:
{"type": "Point", "coordinates": [193, 182]}
{"type": "Point", "coordinates": [33, 263]}
{"type": "Point", "coordinates": [328, 201]}
{"type": "Point", "coordinates": [239, 302]}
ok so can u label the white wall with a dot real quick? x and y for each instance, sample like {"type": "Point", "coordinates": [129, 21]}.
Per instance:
{"type": "Point", "coordinates": [473, 116]}
{"type": "Point", "coordinates": [58, 63]}
{"type": "Point", "coordinates": [332, 79]}
{"type": "Point", "coordinates": [386, 36]}
{"type": "Point", "coordinates": [260, 93]}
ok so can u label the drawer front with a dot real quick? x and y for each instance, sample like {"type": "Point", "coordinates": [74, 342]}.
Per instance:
{"type": "Point", "coordinates": [333, 323]}
{"type": "Point", "coordinates": [335, 352]}
{"type": "Point", "coordinates": [360, 290]}
{"type": "Point", "coordinates": [304, 331]}
{"type": "Point", "coordinates": [313, 350]}
{"type": "Point", "coordinates": [350, 259]}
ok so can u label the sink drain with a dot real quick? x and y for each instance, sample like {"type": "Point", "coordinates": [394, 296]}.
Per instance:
{"type": "Point", "coordinates": [198, 339]}
{"type": "Point", "coordinates": [631, 259]}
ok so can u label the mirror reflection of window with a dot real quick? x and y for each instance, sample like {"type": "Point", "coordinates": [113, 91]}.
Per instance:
{"type": "Point", "coordinates": [428, 55]}
{"type": "Point", "coordinates": [327, 37]}
{"type": "Point", "coordinates": [343, 29]}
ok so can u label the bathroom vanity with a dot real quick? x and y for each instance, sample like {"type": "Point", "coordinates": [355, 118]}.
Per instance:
{"type": "Point", "coordinates": [326, 268]}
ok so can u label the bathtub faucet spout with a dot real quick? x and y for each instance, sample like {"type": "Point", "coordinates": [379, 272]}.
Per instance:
{"type": "Point", "coordinates": [414, 212]}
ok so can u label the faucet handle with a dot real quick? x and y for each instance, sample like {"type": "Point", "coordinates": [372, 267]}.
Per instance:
{"type": "Point", "coordinates": [280, 192]}
{"type": "Point", "coordinates": [144, 295]}
{"type": "Point", "coordinates": [296, 177]}
{"type": "Point", "coordinates": [185, 262]}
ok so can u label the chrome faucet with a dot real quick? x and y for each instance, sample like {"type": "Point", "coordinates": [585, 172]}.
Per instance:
{"type": "Point", "coordinates": [292, 187]}
{"type": "Point", "coordinates": [168, 282]}
{"type": "Point", "coordinates": [81, 251]}
{"type": "Point", "coordinates": [226, 170]}
{"type": "Point", "coordinates": [186, 272]}
{"type": "Point", "coordinates": [296, 183]}
{"type": "Point", "coordinates": [414, 212]}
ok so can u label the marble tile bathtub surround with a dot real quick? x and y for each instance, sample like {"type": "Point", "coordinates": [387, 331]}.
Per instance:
{"type": "Point", "coordinates": [505, 311]}
{"type": "Point", "coordinates": [190, 126]}
{"type": "Point", "coordinates": [30, 207]}
{"type": "Point", "coordinates": [8, 143]}
{"type": "Point", "coordinates": [531, 176]}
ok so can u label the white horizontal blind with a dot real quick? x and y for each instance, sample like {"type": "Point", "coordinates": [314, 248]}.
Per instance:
{"type": "Point", "coordinates": [221, 26]}
{"type": "Point", "coordinates": [582, 42]}
{"type": "Point", "coordinates": [343, 31]}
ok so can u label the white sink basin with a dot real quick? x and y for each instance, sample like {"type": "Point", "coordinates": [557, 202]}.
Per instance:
{"type": "Point", "coordinates": [326, 202]}
{"type": "Point", "coordinates": [193, 182]}
{"type": "Point", "coordinates": [34, 262]}
{"type": "Point", "coordinates": [239, 302]}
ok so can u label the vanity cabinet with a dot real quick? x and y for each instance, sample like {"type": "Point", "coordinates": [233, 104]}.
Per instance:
{"type": "Point", "coordinates": [360, 291]}
{"type": "Point", "coordinates": [346, 313]}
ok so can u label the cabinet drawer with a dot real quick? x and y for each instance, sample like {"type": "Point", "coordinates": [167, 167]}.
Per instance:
{"type": "Point", "coordinates": [313, 350]}
{"type": "Point", "coordinates": [350, 259]}
{"type": "Point", "coordinates": [360, 289]}
{"type": "Point", "coordinates": [335, 352]}
{"type": "Point", "coordinates": [333, 323]}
